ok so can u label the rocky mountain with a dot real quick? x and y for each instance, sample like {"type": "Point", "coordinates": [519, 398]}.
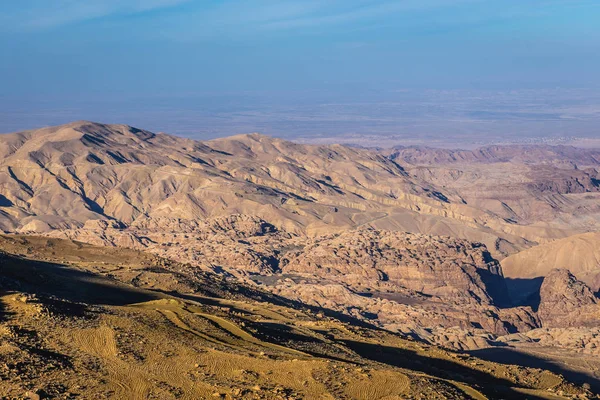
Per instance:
{"type": "Point", "coordinates": [525, 154]}
{"type": "Point", "coordinates": [544, 190]}
{"type": "Point", "coordinates": [451, 248]}
{"type": "Point", "coordinates": [62, 177]}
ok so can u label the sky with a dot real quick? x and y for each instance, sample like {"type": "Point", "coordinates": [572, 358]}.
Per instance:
{"type": "Point", "coordinates": [138, 60]}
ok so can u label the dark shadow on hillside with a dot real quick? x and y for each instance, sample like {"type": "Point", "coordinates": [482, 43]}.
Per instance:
{"type": "Point", "coordinates": [525, 292]}
{"type": "Point", "coordinates": [515, 357]}
{"type": "Point", "coordinates": [496, 287]}
{"type": "Point", "coordinates": [4, 313]}
{"type": "Point", "coordinates": [211, 285]}
{"type": "Point", "coordinates": [93, 206]}
{"type": "Point", "coordinates": [56, 280]}
{"type": "Point", "coordinates": [491, 386]}
{"type": "Point", "coordinates": [4, 202]}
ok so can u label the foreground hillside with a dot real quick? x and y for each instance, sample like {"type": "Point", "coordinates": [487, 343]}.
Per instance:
{"type": "Point", "coordinates": [79, 321]}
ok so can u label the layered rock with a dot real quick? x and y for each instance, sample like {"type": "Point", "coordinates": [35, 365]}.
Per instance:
{"type": "Point", "coordinates": [555, 190]}
{"type": "Point", "coordinates": [379, 261]}
{"type": "Point", "coordinates": [583, 340]}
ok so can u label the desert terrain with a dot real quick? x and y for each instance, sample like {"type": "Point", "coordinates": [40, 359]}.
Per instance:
{"type": "Point", "coordinates": [143, 265]}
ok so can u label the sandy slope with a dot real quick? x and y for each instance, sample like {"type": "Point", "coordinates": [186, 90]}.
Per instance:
{"type": "Point", "coordinates": [580, 254]}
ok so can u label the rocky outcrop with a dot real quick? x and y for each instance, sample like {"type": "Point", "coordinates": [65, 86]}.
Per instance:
{"type": "Point", "coordinates": [379, 261]}
{"type": "Point", "coordinates": [581, 340]}
{"type": "Point", "coordinates": [566, 301]}
{"type": "Point", "coordinates": [404, 282]}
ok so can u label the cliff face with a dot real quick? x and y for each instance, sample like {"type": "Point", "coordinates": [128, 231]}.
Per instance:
{"type": "Point", "coordinates": [377, 260]}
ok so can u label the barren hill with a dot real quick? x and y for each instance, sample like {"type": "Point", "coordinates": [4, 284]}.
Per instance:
{"type": "Point", "coordinates": [580, 254]}
{"type": "Point", "coordinates": [544, 190]}
{"type": "Point", "coordinates": [63, 177]}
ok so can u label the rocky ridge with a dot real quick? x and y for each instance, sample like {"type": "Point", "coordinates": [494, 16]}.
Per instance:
{"type": "Point", "coordinates": [62, 177]}
{"type": "Point", "coordinates": [407, 240]}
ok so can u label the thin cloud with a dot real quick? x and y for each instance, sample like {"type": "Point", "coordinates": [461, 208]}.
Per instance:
{"type": "Point", "coordinates": [360, 11]}
{"type": "Point", "coordinates": [235, 18]}
{"type": "Point", "coordinates": [42, 14]}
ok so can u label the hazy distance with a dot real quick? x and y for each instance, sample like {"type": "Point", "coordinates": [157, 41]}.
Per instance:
{"type": "Point", "coordinates": [442, 73]}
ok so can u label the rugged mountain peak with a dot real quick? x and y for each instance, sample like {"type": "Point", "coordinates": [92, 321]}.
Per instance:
{"type": "Point", "coordinates": [257, 145]}
{"type": "Point", "coordinates": [114, 132]}
{"type": "Point", "coordinates": [78, 129]}
{"type": "Point", "coordinates": [254, 137]}
{"type": "Point", "coordinates": [80, 142]}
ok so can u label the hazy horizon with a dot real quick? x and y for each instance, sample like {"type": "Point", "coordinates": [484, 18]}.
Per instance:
{"type": "Point", "coordinates": [367, 72]}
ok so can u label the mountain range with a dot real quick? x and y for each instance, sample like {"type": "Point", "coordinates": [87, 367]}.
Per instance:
{"type": "Point", "coordinates": [476, 251]}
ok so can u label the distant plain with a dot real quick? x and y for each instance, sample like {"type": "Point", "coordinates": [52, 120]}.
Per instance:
{"type": "Point", "coordinates": [385, 118]}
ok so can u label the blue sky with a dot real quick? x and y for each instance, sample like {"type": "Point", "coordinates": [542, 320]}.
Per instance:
{"type": "Point", "coordinates": [60, 51]}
